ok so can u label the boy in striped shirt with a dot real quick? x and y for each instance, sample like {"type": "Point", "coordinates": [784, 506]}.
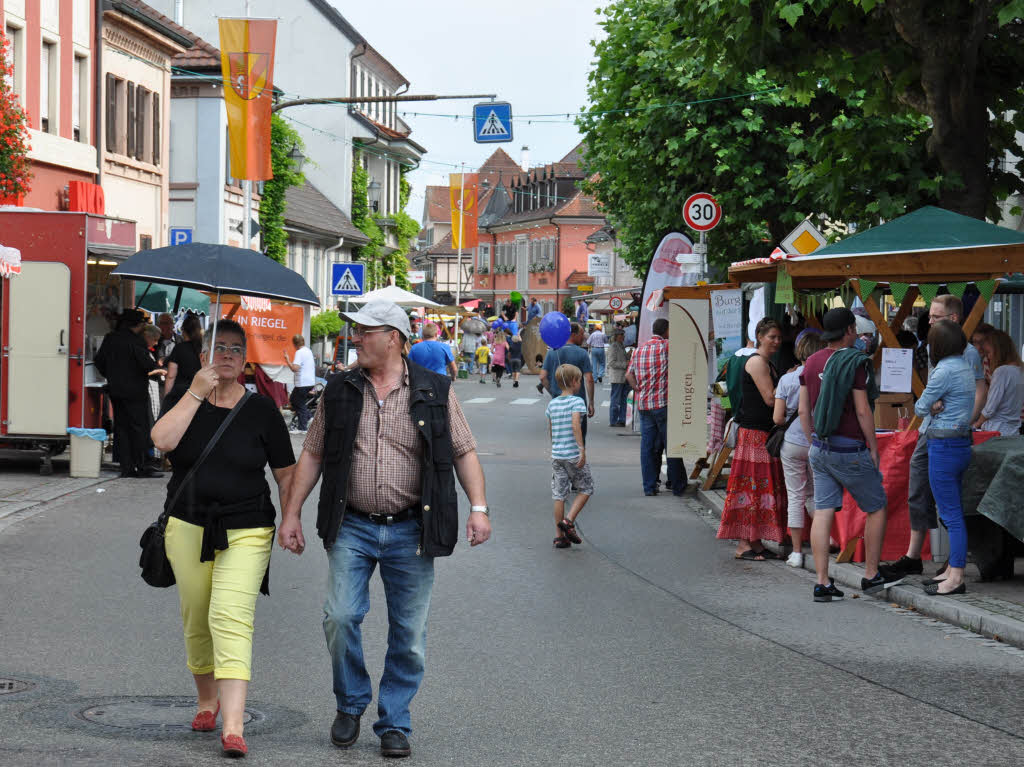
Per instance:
{"type": "Point", "coordinates": [569, 469]}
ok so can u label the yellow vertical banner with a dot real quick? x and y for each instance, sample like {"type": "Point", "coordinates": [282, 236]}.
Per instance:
{"type": "Point", "coordinates": [247, 66]}
{"type": "Point", "coordinates": [464, 210]}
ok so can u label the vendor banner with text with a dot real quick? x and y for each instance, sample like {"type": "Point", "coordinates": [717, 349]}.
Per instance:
{"type": "Point", "coordinates": [247, 66]}
{"type": "Point", "coordinates": [464, 209]}
{"type": "Point", "coordinates": [688, 378]}
{"type": "Point", "coordinates": [269, 328]}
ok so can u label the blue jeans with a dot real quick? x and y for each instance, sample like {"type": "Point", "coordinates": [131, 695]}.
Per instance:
{"type": "Point", "coordinates": [947, 462]}
{"type": "Point", "coordinates": [597, 362]}
{"type": "Point", "coordinates": [408, 579]}
{"type": "Point", "coordinates": [653, 439]}
{"type": "Point", "coordinates": [617, 407]}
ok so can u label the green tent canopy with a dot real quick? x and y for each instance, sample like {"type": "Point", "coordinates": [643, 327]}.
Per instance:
{"type": "Point", "coordinates": [160, 298]}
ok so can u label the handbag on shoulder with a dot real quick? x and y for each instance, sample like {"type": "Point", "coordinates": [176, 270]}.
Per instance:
{"type": "Point", "coordinates": [778, 435]}
{"type": "Point", "coordinates": [156, 568]}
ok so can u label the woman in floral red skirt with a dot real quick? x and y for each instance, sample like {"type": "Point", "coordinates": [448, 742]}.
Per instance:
{"type": "Point", "coordinates": [755, 502]}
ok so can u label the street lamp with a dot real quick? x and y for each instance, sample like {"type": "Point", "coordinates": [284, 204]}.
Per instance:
{"type": "Point", "coordinates": [373, 194]}
{"type": "Point", "coordinates": [298, 159]}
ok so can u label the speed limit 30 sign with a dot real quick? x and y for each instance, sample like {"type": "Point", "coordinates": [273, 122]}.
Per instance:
{"type": "Point", "coordinates": [615, 302]}
{"type": "Point", "coordinates": [701, 212]}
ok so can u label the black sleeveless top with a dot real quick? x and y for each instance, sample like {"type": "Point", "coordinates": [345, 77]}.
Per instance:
{"type": "Point", "coordinates": [754, 414]}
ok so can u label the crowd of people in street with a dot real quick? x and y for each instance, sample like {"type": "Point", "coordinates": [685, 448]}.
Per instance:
{"type": "Point", "coordinates": [822, 411]}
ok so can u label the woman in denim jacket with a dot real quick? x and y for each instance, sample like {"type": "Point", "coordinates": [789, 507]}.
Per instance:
{"type": "Point", "coordinates": [946, 406]}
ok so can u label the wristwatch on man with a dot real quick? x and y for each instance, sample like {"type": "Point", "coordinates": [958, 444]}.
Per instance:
{"type": "Point", "coordinates": [481, 509]}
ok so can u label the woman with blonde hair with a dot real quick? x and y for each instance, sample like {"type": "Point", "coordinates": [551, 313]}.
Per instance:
{"type": "Point", "coordinates": [1002, 411]}
{"type": "Point", "coordinates": [755, 498]}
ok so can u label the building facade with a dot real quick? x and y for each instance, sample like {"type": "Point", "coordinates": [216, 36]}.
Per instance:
{"type": "Point", "coordinates": [138, 46]}
{"type": "Point", "coordinates": [53, 52]}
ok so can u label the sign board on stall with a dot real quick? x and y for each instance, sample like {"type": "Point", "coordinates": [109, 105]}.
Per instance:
{"type": "Point", "coordinates": [269, 328]}
{"type": "Point", "coordinates": [417, 278]}
{"type": "Point", "coordinates": [897, 366]}
{"type": "Point", "coordinates": [599, 265]}
{"type": "Point", "coordinates": [492, 122]}
{"type": "Point", "coordinates": [702, 212]}
{"type": "Point", "coordinates": [347, 279]}
{"type": "Point", "coordinates": [688, 378]}
{"type": "Point", "coordinates": [727, 323]}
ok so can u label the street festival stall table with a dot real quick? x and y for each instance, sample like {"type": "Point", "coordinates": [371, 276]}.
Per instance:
{"type": "Point", "coordinates": [894, 451]}
{"type": "Point", "coordinates": [992, 509]}
{"type": "Point", "coordinates": [911, 256]}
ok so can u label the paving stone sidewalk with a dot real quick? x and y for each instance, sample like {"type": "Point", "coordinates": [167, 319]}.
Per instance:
{"type": "Point", "coordinates": [22, 487]}
{"type": "Point", "coordinates": [994, 609]}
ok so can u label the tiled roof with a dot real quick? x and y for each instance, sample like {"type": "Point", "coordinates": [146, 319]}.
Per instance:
{"type": "Point", "coordinates": [153, 18]}
{"type": "Point", "coordinates": [437, 205]}
{"type": "Point", "coordinates": [442, 247]}
{"type": "Point", "coordinates": [581, 205]}
{"type": "Point", "coordinates": [307, 208]}
{"type": "Point", "coordinates": [575, 156]}
{"type": "Point", "coordinates": [498, 164]}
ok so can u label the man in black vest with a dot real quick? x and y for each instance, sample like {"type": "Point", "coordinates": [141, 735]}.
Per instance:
{"type": "Point", "coordinates": [389, 437]}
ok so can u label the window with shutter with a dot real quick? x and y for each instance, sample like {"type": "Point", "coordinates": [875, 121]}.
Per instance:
{"type": "Point", "coordinates": [131, 134]}
{"type": "Point", "coordinates": [156, 130]}
{"type": "Point", "coordinates": [140, 123]}
{"type": "Point", "coordinates": [111, 113]}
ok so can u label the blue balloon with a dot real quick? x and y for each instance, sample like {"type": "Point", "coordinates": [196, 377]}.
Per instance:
{"type": "Point", "coordinates": [512, 327]}
{"type": "Point", "coordinates": [496, 325]}
{"type": "Point", "coordinates": [555, 330]}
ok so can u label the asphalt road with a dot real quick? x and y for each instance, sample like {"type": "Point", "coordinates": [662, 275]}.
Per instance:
{"type": "Point", "coordinates": [647, 645]}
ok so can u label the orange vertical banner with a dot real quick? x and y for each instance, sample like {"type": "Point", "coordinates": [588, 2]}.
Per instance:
{"type": "Point", "coordinates": [247, 66]}
{"type": "Point", "coordinates": [466, 208]}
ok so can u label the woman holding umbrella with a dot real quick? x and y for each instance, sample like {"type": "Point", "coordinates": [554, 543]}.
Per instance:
{"type": "Point", "coordinates": [221, 526]}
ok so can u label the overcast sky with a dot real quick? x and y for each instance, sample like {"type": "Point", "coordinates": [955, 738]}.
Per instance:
{"type": "Point", "coordinates": [532, 53]}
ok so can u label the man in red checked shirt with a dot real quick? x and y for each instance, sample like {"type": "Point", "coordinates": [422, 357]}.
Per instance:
{"type": "Point", "coordinates": [648, 375]}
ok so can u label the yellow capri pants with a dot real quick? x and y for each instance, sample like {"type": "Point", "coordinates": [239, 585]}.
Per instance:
{"type": "Point", "coordinates": [218, 598]}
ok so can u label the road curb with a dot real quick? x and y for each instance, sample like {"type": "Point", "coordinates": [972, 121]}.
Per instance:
{"type": "Point", "coordinates": [946, 609]}
{"type": "Point", "coordinates": [26, 503]}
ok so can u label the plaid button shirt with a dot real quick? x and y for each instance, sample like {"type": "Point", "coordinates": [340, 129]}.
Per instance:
{"type": "Point", "coordinates": [385, 475]}
{"type": "Point", "coordinates": [650, 367]}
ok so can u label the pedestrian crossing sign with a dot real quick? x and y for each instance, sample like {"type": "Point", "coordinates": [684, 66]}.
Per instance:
{"type": "Point", "coordinates": [347, 279]}
{"type": "Point", "coordinates": [492, 122]}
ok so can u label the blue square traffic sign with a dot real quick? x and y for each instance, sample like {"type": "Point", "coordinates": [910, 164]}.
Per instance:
{"type": "Point", "coordinates": [492, 122]}
{"type": "Point", "coordinates": [347, 279]}
{"type": "Point", "coordinates": [181, 235]}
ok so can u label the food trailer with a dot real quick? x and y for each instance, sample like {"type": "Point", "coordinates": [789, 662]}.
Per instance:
{"type": "Point", "coordinates": [55, 307]}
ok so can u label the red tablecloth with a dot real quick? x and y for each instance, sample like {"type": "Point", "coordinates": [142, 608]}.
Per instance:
{"type": "Point", "coordinates": [895, 449]}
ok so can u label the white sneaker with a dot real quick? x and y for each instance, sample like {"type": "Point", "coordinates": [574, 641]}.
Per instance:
{"type": "Point", "coordinates": [796, 559]}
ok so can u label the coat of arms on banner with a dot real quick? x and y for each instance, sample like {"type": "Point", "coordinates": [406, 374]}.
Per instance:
{"type": "Point", "coordinates": [249, 72]}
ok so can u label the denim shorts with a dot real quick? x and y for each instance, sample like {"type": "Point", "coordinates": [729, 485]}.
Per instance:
{"type": "Point", "coordinates": [855, 472]}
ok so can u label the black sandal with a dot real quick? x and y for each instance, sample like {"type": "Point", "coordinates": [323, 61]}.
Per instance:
{"type": "Point", "coordinates": [766, 553]}
{"type": "Point", "coordinates": [561, 542]}
{"type": "Point", "coordinates": [751, 556]}
{"type": "Point", "coordinates": [568, 528]}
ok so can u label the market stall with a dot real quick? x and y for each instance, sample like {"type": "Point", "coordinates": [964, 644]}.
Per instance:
{"type": "Point", "coordinates": [56, 304]}
{"type": "Point", "coordinates": [914, 255]}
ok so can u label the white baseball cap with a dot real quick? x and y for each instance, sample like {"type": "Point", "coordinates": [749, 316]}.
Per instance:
{"type": "Point", "coordinates": [379, 313]}
{"type": "Point", "coordinates": [864, 325]}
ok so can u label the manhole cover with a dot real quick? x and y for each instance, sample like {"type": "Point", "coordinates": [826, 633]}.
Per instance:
{"type": "Point", "coordinates": [13, 686]}
{"type": "Point", "coordinates": [150, 716]}
{"type": "Point", "coordinates": [145, 713]}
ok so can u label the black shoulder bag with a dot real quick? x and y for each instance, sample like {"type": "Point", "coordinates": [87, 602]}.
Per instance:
{"type": "Point", "coordinates": [778, 435]}
{"type": "Point", "coordinates": [156, 570]}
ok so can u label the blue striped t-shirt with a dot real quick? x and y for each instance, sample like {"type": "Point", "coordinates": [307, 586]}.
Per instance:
{"type": "Point", "coordinates": [563, 441]}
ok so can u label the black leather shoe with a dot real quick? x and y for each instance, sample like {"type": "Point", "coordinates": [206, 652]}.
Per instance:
{"type": "Point", "coordinates": [933, 591]}
{"type": "Point", "coordinates": [345, 730]}
{"type": "Point", "coordinates": [395, 745]}
{"type": "Point", "coordinates": [149, 473]}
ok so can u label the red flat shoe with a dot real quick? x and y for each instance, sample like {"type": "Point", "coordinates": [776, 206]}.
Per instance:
{"type": "Point", "coordinates": [206, 721]}
{"type": "Point", "coordinates": [234, 746]}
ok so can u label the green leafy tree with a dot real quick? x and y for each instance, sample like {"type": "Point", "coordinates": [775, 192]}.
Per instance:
{"type": "Point", "coordinates": [959, 63]}
{"type": "Point", "coordinates": [14, 146]}
{"type": "Point", "coordinates": [664, 124]}
{"type": "Point", "coordinates": [371, 253]}
{"type": "Point", "coordinates": [272, 204]}
{"type": "Point", "coordinates": [324, 325]}
{"type": "Point", "coordinates": [568, 309]}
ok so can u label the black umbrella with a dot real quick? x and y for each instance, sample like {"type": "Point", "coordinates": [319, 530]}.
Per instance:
{"type": "Point", "coordinates": [218, 269]}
